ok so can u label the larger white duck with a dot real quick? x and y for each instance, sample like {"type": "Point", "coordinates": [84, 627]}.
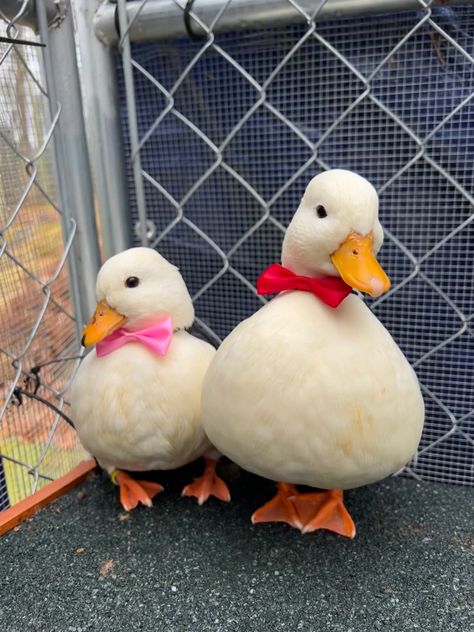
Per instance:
{"type": "Point", "coordinates": [307, 393]}
{"type": "Point", "coordinates": [136, 399]}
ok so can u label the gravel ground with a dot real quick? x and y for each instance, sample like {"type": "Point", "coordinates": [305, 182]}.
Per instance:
{"type": "Point", "coordinates": [83, 564]}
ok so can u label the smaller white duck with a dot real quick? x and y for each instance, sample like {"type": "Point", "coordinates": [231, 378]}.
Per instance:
{"type": "Point", "coordinates": [312, 389]}
{"type": "Point", "coordinates": [136, 399]}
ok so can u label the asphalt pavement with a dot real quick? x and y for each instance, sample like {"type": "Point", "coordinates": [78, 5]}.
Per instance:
{"type": "Point", "coordinates": [83, 564]}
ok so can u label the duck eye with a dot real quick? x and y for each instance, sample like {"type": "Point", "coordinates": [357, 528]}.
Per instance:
{"type": "Point", "coordinates": [321, 211]}
{"type": "Point", "coordinates": [132, 281]}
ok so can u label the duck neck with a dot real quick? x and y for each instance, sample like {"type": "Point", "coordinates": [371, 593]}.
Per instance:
{"type": "Point", "coordinates": [298, 266]}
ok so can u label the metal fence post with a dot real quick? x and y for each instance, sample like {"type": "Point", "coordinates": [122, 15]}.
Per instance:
{"type": "Point", "coordinates": [101, 111]}
{"type": "Point", "coordinates": [74, 176]}
{"type": "Point", "coordinates": [124, 45]}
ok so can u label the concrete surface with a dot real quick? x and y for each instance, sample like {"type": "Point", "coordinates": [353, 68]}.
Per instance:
{"type": "Point", "coordinates": [83, 564]}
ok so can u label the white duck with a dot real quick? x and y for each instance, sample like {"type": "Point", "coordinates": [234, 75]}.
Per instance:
{"type": "Point", "coordinates": [136, 399]}
{"type": "Point", "coordinates": [304, 393]}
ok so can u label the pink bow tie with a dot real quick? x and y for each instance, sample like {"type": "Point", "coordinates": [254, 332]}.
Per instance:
{"type": "Point", "coordinates": [157, 338]}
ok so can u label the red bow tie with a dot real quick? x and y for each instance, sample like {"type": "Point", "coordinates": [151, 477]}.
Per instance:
{"type": "Point", "coordinates": [276, 278]}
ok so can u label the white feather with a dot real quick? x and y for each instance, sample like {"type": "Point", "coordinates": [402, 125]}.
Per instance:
{"type": "Point", "coordinates": [133, 409]}
{"type": "Point", "coordinates": [303, 393]}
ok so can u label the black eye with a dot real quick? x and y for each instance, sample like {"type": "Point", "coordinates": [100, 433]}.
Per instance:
{"type": "Point", "coordinates": [132, 281]}
{"type": "Point", "coordinates": [321, 211]}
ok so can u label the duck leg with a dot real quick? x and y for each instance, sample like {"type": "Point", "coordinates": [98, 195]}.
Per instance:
{"type": "Point", "coordinates": [307, 512]}
{"type": "Point", "coordinates": [280, 508]}
{"type": "Point", "coordinates": [209, 484]}
{"type": "Point", "coordinates": [133, 492]}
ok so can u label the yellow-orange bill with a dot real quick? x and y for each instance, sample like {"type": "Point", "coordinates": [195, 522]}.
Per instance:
{"type": "Point", "coordinates": [356, 263]}
{"type": "Point", "coordinates": [104, 321]}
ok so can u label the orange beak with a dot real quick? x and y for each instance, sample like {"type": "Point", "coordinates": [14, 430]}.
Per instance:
{"type": "Point", "coordinates": [356, 263]}
{"type": "Point", "coordinates": [104, 322]}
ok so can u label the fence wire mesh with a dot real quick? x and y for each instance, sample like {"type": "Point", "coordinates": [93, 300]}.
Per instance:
{"type": "Point", "coordinates": [36, 320]}
{"type": "Point", "coordinates": [223, 134]}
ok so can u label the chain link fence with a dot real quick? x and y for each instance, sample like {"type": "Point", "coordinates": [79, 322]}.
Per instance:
{"type": "Point", "coordinates": [38, 333]}
{"type": "Point", "coordinates": [224, 130]}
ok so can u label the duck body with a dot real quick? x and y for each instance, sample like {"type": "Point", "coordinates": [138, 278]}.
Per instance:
{"type": "Point", "coordinates": [312, 389]}
{"type": "Point", "coordinates": [136, 398]}
{"type": "Point", "coordinates": [138, 411]}
{"type": "Point", "coordinates": [311, 395]}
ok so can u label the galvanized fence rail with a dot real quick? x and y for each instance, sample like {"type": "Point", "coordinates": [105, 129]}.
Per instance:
{"type": "Point", "coordinates": [225, 120]}
{"type": "Point", "coordinates": [47, 261]}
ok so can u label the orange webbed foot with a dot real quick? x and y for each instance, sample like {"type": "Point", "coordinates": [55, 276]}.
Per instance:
{"type": "Point", "coordinates": [324, 510]}
{"type": "Point", "coordinates": [307, 512]}
{"type": "Point", "coordinates": [209, 484]}
{"type": "Point", "coordinates": [133, 492]}
{"type": "Point", "coordinates": [280, 508]}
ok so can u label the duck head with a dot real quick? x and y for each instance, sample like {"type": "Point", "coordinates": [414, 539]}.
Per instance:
{"type": "Point", "coordinates": [136, 288]}
{"type": "Point", "coordinates": [336, 232]}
